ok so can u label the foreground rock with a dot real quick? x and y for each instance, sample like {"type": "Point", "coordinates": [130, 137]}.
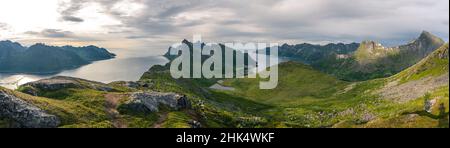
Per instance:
{"type": "Point", "coordinates": [147, 102]}
{"type": "Point", "coordinates": [24, 114]}
{"type": "Point", "coordinates": [60, 82]}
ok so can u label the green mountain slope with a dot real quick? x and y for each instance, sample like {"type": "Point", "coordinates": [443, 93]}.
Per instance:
{"type": "Point", "coordinates": [297, 83]}
{"type": "Point", "coordinates": [389, 102]}
{"type": "Point", "coordinates": [434, 65]}
{"type": "Point", "coordinates": [420, 94]}
{"type": "Point", "coordinates": [372, 60]}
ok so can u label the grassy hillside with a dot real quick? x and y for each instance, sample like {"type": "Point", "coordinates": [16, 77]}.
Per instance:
{"type": "Point", "coordinates": [297, 83]}
{"type": "Point", "coordinates": [307, 98]}
{"type": "Point", "coordinates": [83, 107]}
{"type": "Point", "coordinates": [434, 65]}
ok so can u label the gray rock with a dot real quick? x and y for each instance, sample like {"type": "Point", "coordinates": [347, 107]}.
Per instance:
{"type": "Point", "coordinates": [60, 82]}
{"type": "Point", "coordinates": [195, 124]}
{"type": "Point", "coordinates": [24, 114]}
{"type": "Point", "coordinates": [151, 101]}
{"type": "Point", "coordinates": [53, 84]}
{"type": "Point", "coordinates": [132, 84]}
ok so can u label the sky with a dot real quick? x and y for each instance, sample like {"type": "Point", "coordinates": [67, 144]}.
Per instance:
{"type": "Point", "coordinates": [153, 25]}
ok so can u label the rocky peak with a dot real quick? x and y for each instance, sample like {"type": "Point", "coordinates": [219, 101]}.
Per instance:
{"type": "Point", "coordinates": [427, 42]}
{"type": "Point", "coordinates": [371, 50]}
{"type": "Point", "coordinates": [371, 45]}
{"type": "Point", "coordinates": [427, 36]}
{"type": "Point", "coordinates": [38, 45]}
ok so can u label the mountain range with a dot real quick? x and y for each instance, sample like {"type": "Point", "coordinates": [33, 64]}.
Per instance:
{"type": "Point", "coordinates": [307, 97]}
{"type": "Point", "coordinates": [41, 58]}
{"type": "Point", "coordinates": [364, 61]}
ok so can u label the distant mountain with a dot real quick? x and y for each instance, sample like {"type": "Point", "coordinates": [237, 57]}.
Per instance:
{"type": "Point", "coordinates": [365, 61]}
{"type": "Point", "coordinates": [309, 53]}
{"type": "Point", "coordinates": [372, 60]}
{"type": "Point", "coordinates": [224, 48]}
{"type": "Point", "coordinates": [90, 53]}
{"type": "Point", "coordinates": [41, 58]}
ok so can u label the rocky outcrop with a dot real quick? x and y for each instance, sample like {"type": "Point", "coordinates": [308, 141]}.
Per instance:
{"type": "Point", "coordinates": [147, 102]}
{"type": "Point", "coordinates": [133, 84]}
{"type": "Point", "coordinates": [24, 114]}
{"type": "Point", "coordinates": [60, 82]}
{"type": "Point", "coordinates": [413, 89]}
{"type": "Point", "coordinates": [56, 83]}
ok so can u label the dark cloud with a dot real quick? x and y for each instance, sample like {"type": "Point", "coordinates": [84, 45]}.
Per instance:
{"type": "Point", "coordinates": [72, 19]}
{"type": "Point", "coordinates": [67, 9]}
{"type": "Point", "coordinates": [52, 33]}
{"type": "Point", "coordinates": [137, 37]}
{"type": "Point", "coordinates": [65, 35]}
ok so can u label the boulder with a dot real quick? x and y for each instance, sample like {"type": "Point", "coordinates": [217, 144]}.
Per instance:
{"type": "Point", "coordinates": [25, 115]}
{"type": "Point", "coordinates": [147, 102]}
{"type": "Point", "coordinates": [195, 124]}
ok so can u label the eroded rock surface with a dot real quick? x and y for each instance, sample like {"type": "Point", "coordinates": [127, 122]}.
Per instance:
{"type": "Point", "coordinates": [24, 114]}
{"type": "Point", "coordinates": [151, 101]}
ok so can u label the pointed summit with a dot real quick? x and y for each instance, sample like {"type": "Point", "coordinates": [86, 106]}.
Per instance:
{"type": "Point", "coordinates": [427, 38]}
{"type": "Point", "coordinates": [426, 34]}
{"type": "Point", "coordinates": [185, 41]}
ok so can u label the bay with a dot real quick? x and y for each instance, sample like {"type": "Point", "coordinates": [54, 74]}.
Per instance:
{"type": "Point", "coordinates": [119, 69]}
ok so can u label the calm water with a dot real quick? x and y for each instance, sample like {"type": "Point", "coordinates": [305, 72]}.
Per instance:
{"type": "Point", "coordinates": [124, 68]}
{"type": "Point", "coordinates": [119, 69]}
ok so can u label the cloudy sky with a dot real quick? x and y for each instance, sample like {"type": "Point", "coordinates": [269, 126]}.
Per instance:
{"type": "Point", "coordinates": [153, 25]}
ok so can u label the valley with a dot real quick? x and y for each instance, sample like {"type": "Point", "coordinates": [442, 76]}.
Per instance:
{"type": "Point", "coordinates": [306, 97]}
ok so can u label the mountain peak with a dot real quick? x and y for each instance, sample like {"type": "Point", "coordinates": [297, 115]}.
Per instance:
{"type": "Point", "coordinates": [428, 37]}
{"type": "Point", "coordinates": [39, 45]}
{"type": "Point", "coordinates": [7, 44]}
{"type": "Point", "coordinates": [370, 51]}
{"type": "Point", "coordinates": [426, 34]}
{"type": "Point", "coordinates": [185, 41]}
{"type": "Point", "coordinates": [5, 41]}
{"type": "Point", "coordinates": [371, 46]}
